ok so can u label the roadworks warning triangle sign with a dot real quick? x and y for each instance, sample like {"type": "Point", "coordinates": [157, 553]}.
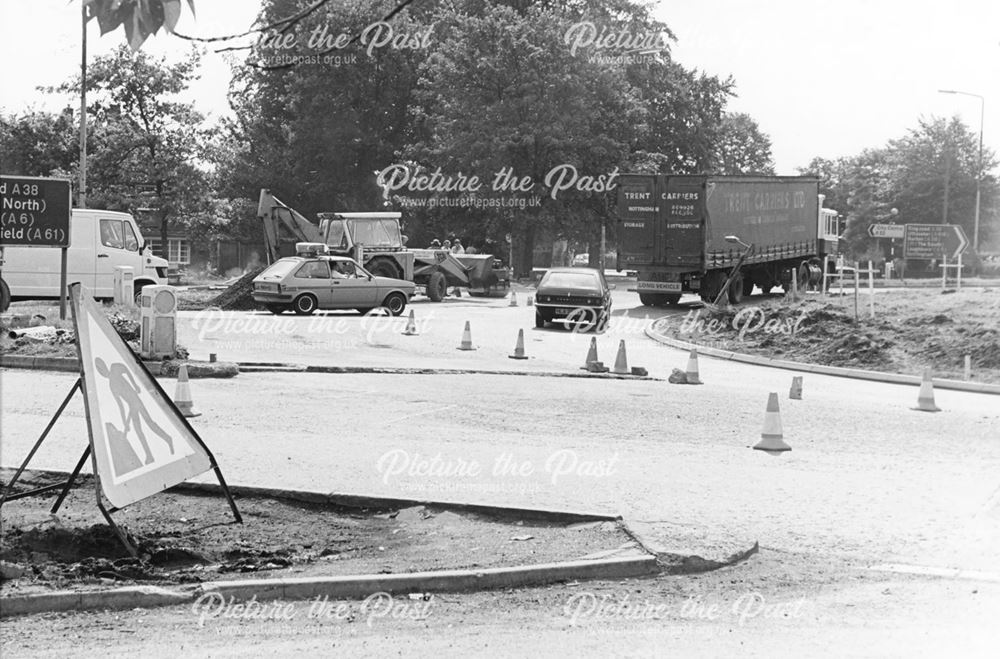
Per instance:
{"type": "Point", "coordinates": [141, 443]}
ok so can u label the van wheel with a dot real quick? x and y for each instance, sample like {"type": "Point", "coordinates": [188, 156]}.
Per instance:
{"type": "Point", "coordinates": [4, 296]}
{"type": "Point", "coordinates": [304, 305]}
{"type": "Point", "coordinates": [395, 303]}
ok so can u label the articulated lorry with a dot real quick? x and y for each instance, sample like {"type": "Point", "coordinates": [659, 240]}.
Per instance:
{"type": "Point", "coordinates": [375, 240]}
{"type": "Point", "coordinates": [686, 234]}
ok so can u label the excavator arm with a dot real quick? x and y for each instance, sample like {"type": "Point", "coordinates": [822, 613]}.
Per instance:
{"type": "Point", "coordinates": [273, 213]}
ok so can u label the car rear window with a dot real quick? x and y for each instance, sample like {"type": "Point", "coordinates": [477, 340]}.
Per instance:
{"type": "Point", "coordinates": [279, 269]}
{"type": "Point", "coordinates": [571, 280]}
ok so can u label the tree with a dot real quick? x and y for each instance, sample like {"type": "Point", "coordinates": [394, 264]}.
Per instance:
{"type": "Point", "coordinates": [741, 147]}
{"type": "Point", "coordinates": [139, 18]}
{"type": "Point", "coordinates": [38, 144]}
{"type": "Point", "coordinates": [149, 151]}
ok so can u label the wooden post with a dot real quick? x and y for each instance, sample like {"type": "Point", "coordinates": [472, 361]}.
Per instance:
{"type": "Point", "coordinates": [840, 277]}
{"type": "Point", "coordinates": [958, 276]}
{"type": "Point", "coordinates": [871, 291]}
{"type": "Point", "coordinates": [968, 368]}
{"type": "Point", "coordinates": [857, 285]}
{"type": "Point", "coordinates": [944, 271]}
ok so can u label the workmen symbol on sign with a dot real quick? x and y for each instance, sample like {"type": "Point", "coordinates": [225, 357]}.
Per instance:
{"type": "Point", "coordinates": [134, 415]}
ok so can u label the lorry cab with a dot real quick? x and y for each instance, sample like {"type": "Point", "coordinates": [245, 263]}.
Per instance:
{"type": "Point", "coordinates": [99, 242]}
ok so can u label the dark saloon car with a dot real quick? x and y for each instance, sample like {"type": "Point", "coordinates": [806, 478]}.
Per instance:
{"type": "Point", "coordinates": [580, 296]}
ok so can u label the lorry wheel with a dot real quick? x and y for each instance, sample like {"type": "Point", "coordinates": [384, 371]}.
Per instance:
{"type": "Point", "coordinates": [735, 292]}
{"type": "Point", "coordinates": [385, 267]}
{"type": "Point", "coordinates": [4, 296]}
{"type": "Point", "coordinates": [395, 303]}
{"type": "Point", "coordinates": [673, 299]}
{"type": "Point", "coordinates": [437, 286]}
{"type": "Point", "coordinates": [304, 305]}
{"type": "Point", "coordinates": [747, 286]}
{"type": "Point", "coordinates": [648, 299]}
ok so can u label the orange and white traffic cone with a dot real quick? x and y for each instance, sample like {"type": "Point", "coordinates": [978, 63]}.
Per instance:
{"type": "Point", "coordinates": [513, 299]}
{"type": "Point", "coordinates": [411, 326]}
{"type": "Point", "coordinates": [795, 393]}
{"type": "Point", "coordinates": [592, 353]}
{"type": "Point", "coordinates": [467, 338]}
{"type": "Point", "coordinates": [182, 394]}
{"type": "Point", "coordinates": [771, 439]}
{"type": "Point", "coordinates": [925, 399]}
{"type": "Point", "coordinates": [621, 362]}
{"type": "Point", "coordinates": [692, 368]}
{"type": "Point", "coordinates": [519, 348]}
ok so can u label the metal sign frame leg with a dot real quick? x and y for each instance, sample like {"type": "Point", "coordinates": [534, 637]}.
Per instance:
{"type": "Point", "coordinates": [24, 465]}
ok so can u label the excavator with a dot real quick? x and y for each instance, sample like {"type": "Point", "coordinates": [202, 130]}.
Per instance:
{"type": "Point", "coordinates": [376, 241]}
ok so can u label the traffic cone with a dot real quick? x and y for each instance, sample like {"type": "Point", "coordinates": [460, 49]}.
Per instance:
{"type": "Point", "coordinates": [411, 326]}
{"type": "Point", "coordinates": [182, 395]}
{"type": "Point", "coordinates": [467, 338]}
{"type": "Point", "coordinates": [795, 393]}
{"type": "Point", "coordinates": [519, 348]}
{"type": "Point", "coordinates": [592, 353]}
{"type": "Point", "coordinates": [458, 292]}
{"type": "Point", "coordinates": [621, 363]}
{"type": "Point", "coordinates": [925, 399]}
{"type": "Point", "coordinates": [513, 299]}
{"type": "Point", "coordinates": [692, 368]}
{"type": "Point", "coordinates": [531, 300]}
{"type": "Point", "coordinates": [770, 439]}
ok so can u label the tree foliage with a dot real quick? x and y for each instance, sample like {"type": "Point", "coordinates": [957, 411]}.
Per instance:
{"type": "Point", "coordinates": [928, 175]}
{"type": "Point", "coordinates": [138, 18]}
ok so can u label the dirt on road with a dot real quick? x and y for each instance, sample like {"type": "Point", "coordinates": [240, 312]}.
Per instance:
{"type": "Point", "coordinates": [186, 537]}
{"type": "Point", "coordinates": [912, 330]}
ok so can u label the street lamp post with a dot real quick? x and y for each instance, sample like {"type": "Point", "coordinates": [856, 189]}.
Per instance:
{"type": "Point", "coordinates": [979, 171]}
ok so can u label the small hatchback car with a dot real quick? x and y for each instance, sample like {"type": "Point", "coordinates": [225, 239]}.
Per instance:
{"type": "Point", "coordinates": [314, 280]}
{"type": "Point", "coordinates": [580, 296]}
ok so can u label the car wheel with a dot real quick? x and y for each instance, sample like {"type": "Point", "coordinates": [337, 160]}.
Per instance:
{"type": "Point", "coordinates": [437, 286]}
{"type": "Point", "coordinates": [276, 308]}
{"type": "Point", "coordinates": [4, 296]}
{"type": "Point", "coordinates": [539, 320]}
{"type": "Point", "coordinates": [395, 303]}
{"type": "Point", "coordinates": [305, 304]}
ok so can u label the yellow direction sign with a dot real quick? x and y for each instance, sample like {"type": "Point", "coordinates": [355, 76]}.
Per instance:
{"type": "Point", "coordinates": [141, 443]}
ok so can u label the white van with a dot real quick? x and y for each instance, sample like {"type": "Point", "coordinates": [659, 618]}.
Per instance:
{"type": "Point", "coordinates": [99, 241]}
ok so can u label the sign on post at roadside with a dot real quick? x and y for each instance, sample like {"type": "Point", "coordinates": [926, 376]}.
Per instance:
{"type": "Point", "coordinates": [34, 212]}
{"type": "Point", "coordinates": [886, 230]}
{"type": "Point", "coordinates": [934, 241]}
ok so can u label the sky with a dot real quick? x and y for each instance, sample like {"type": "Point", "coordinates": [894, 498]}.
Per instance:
{"type": "Point", "coordinates": [821, 78]}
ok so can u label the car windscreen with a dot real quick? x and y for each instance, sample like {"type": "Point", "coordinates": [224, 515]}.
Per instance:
{"type": "Point", "coordinates": [279, 269]}
{"type": "Point", "coordinates": [376, 233]}
{"type": "Point", "coordinates": [571, 280]}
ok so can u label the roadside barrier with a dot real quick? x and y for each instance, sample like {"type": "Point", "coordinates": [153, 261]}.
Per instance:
{"type": "Point", "coordinates": [795, 393]}
{"type": "Point", "coordinates": [925, 399]}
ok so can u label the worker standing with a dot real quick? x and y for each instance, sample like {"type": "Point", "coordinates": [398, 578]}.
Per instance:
{"type": "Point", "coordinates": [457, 247]}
